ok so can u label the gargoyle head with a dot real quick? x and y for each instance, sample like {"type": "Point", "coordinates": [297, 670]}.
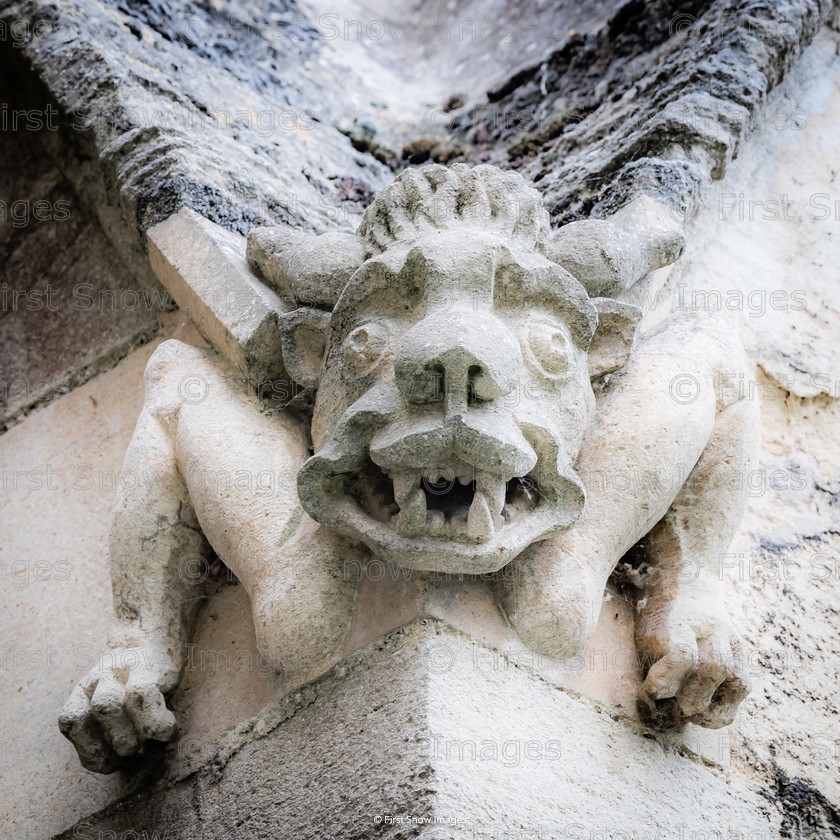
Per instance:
{"type": "Point", "coordinates": [453, 341]}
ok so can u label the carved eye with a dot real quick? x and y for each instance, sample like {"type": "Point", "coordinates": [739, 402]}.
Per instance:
{"type": "Point", "coordinates": [363, 348]}
{"type": "Point", "coordinates": [550, 348]}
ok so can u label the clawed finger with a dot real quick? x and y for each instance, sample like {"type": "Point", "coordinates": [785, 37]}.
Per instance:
{"type": "Point", "coordinates": [147, 707]}
{"type": "Point", "coordinates": [666, 675]}
{"type": "Point", "coordinates": [729, 694]}
{"type": "Point", "coordinates": [79, 726]}
{"type": "Point", "coordinates": [108, 722]}
{"type": "Point", "coordinates": [108, 707]}
{"type": "Point", "coordinates": [714, 665]}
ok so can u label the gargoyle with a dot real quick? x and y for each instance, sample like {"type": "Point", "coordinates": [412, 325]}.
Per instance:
{"type": "Point", "coordinates": [483, 404]}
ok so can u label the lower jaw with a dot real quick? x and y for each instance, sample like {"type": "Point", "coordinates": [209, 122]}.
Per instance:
{"type": "Point", "coordinates": [429, 554]}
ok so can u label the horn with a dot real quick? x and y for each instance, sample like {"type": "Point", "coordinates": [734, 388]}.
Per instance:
{"type": "Point", "coordinates": [608, 257]}
{"type": "Point", "coordinates": [313, 269]}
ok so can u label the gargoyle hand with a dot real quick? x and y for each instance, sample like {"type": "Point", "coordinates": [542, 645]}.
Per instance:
{"type": "Point", "coordinates": [119, 706]}
{"type": "Point", "coordinates": [697, 670]}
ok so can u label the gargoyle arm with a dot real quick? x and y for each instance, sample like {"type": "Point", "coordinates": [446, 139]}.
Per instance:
{"type": "Point", "coordinates": [158, 567]}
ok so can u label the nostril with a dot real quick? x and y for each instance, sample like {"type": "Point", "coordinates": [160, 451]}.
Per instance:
{"type": "Point", "coordinates": [437, 383]}
{"type": "Point", "coordinates": [472, 376]}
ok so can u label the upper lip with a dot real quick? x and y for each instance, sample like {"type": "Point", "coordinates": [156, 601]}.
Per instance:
{"type": "Point", "coordinates": [484, 437]}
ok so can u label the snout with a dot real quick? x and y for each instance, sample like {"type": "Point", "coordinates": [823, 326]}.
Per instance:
{"type": "Point", "coordinates": [436, 469]}
{"type": "Point", "coordinates": [451, 477]}
{"type": "Point", "coordinates": [458, 358]}
{"type": "Point", "coordinates": [480, 437]}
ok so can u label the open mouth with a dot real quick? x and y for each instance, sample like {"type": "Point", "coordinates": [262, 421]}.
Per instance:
{"type": "Point", "coordinates": [455, 501]}
{"type": "Point", "coordinates": [452, 516]}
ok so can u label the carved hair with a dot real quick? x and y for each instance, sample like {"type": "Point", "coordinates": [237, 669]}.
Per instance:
{"type": "Point", "coordinates": [436, 197]}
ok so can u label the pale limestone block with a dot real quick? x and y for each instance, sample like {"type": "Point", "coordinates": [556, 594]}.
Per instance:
{"type": "Point", "coordinates": [204, 268]}
{"type": "Point", "coordinates": [417, 735]}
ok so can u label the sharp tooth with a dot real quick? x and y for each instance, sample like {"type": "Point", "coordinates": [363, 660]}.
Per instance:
{"type": "Point", "coordinates": [436, 523]}
{"type": "Point", "coordinates": [499, 521]}
{"type": "Point", "coordinates": [412, 516]}
{"type": "Point", "coordinates": [456, 524]}
{"type": "Point", "coordinates": [480, 520]}
{"type": "Point", "coordinates": [493, 490]}
{"type": "Point", "coordinates": [466, 474]}
{"type": "Point", "coordinates": [404, 485]}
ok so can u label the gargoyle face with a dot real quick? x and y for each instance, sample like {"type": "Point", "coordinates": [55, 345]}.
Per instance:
{"type": "Point", "coordinates": [452, 340]}
{"type": "Point", "coordinates": [452, 403]}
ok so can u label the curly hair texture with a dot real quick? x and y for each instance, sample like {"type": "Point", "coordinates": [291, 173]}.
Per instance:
{"type": "Point", "coordinates": [421, 201]}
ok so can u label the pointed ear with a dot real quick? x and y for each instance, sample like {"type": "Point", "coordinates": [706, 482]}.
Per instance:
{"type": "Point", "coordinates": [608, 257]}
{"type": "Point", "coordinates": [303, 338]}
{"type": "Point", "coordinates": [614, 336]}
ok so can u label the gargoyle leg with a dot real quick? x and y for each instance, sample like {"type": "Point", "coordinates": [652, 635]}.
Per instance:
{"type": "Point", "coordinates": [240, 461]}
{"type": "Point", "coordinates": [652, 425]}
{"type": "Point", "coordinates": [208, 462]}
{"type": "Point", "coordinates": [681, 625]}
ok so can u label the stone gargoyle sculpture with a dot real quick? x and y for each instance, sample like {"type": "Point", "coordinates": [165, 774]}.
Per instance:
{"type": "Point", "coordinates": [483, 404]}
